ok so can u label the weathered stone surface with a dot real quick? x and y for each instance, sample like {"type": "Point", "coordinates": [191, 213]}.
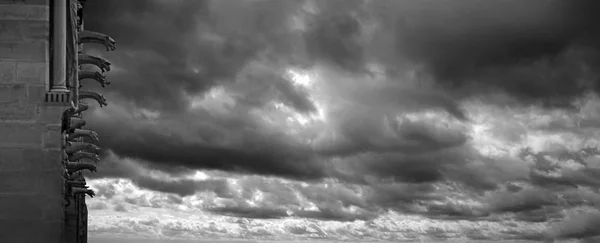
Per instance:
{"type": "Point", "coordinates": [36, 94]}
{"type": "Point", "coordinates": [31, 160]}
{"type": "Point", "coordinates": [20, 134]}
{"type": "Point", "coordinates": [19, 182]}
{"type": "Point", "coordinates": [30, 231]}
{"type": "Point", "coordinates": [12, 92]}
{"type": "Point", "coordinates": [54, 209]}
{"type": "Point", "coordinates": [16, 30]}
{"type": "Point", "coordinates": [12, 160]}
{"type": "Point", "coordinates": [35, 73]}
{"type": "Point", "coordinates": [7, 72]}
{"type": "Point", "coordinates": [16, 111]}
{"type": "Point", "coordinates": [27, 2]}
{"type": "Point", "coordinates": [50, 114]}
{"type": "Point", "coordinates": [21, 206]}
{"type": "Point", "coordinates": [15, 10]}
{"type": "Point", "coordinates": [12, 105]}
{"type": "Point", "coordinates": [34, 51]}
{"type": "Point", "coordinates": [52, 137]}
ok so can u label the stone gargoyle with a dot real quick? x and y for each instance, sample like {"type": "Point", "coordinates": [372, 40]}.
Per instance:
{"type": "Point", "coordinates": [80, 108]}
{"type": "Point", "coordinates": [99, 62]}
{"type": "Point", "coordinates": [71, 112]}
{"type": "Point", "coordinates": [101, 79]}
{"type": "Point", "coordinates": [75, 110]}
{"type": "Point", "coordinates": [77, 133]}
{"type": "Point", "coordinates": [84, 155]}
{"type": "Point", "coordinates": [87, 36]}
{"type": "Point", "coordinates": [76, 183]}
{"type": "Point", "coordinates": [84, 94]}
{"type": "Point", "coordinates": [79, 190]}
{"type": "Point", "coordinates": [75, 123]}
{"type": "Point", "coordinates": [73, 167]}
{"type": "Point", "coordinates": [73, 147]}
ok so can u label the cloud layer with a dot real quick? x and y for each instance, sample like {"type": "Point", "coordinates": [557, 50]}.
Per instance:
{"type": "Point", "coordinates": [344, 113]}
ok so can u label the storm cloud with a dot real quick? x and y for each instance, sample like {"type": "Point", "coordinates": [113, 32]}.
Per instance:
{"type": "Point", "coordinates": [351, 111]}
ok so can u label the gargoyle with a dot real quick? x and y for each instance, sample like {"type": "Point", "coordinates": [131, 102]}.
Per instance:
{"type": "Point", "coordinates": [66, 175]}
{"type": "Point", "coordinates": [73, 147]}
{"type": "Point", "coordinates": [83, 94]}
{"type": "Point", "coordinates": [93, 75]}
{"type": "Point", "coordinates": [101, 63]}
{"type": "Point", "coordinates": [80, 108]}
{"type": "Point", "coordinates": [76, 133]}
{"type": "Point", "coordinates": [76, 183]}
{"type": "Point", "coordinates": [84, 155]}
{"type": "Point", "coordinates": [87, 36]}
{"type": "Point", "coordinates": [75, 166]}
{"type": "Point", "coordinates": [71, 177]}
{"type": "Point", "coordinates": [78, 190]}
{"type": "Point", "coordinates": [70, 112]}
{"type": "Point", "coordinates": [75, 123]}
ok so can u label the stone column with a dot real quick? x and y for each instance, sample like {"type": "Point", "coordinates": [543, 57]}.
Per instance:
{"type": "Point", "coordinates": [59, 47]}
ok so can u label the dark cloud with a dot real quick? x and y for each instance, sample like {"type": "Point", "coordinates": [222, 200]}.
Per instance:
{"type": "Point", "coordinates": [525, 49]}
{"type": "Point", "coordinates": [191, 47]}
{"type": "Point", "coordinates": [151, 144]}
{"type": "Point", "coordinates": [540, 52]}
{"type": "Point", "coordinates": [547, 163]}
{"type": "Point", "coordinates": [579, 226]}
{"type": "Point", "coordinates": [332, 37]}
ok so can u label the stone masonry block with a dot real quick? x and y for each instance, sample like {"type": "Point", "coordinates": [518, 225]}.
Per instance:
{"type": "Point", "coordinates": [17, 111]}
{"type": "Point", "coordinates": [12, 160]}
{"type": "Point", "coordinates": [26, 2]}
{"type": "Point", "coordinates": [54, 209]}
{"type": "Point", "coordinates": [31, 231]}
{"type": "Point", "coordinates": [30, 160]}
{"type": "Point", "coordinates": [32, 73]}
{"type": "Point", "coordinates": [52, 137]}
{"type": "Point", "coordinates": [12, 105]}
{"type": "Point", "coordinates": [7, 72]}
{"type": "Point", "coordinates": [20, 134]}
{"type": "Point", "coordinates": [45, 160]}
{"type": "Point", "coordinates": [21, 206]}
{"type": "Point", "coordinates": [20, 182]}
{"type": "Point", "coordinates": [50, 114]}
{"type": "Point", "coordinates": [18, 30]}
{"type": "Point", "coordinates": [12, 92]}
{"type": "Point", "coordinates": [33, 51]}
{"type": "Point", "coordinates": [36, 94]}
{"type": "Point", "coordinates": [24, 12]}
{"type": "Point", "coordinates": [26, 182]}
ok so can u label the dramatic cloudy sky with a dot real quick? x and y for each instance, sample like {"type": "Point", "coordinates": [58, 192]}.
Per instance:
{"type": "Point", "coordinates": [348, 120]}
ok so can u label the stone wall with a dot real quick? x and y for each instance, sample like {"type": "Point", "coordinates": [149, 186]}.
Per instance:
{"type": "Point", "coordinates": [31, 185]}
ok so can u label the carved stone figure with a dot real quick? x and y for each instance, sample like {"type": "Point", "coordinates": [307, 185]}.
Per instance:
{"type": "Point", "coordinates": [75, 166]}
{"type": "Point", "coordinates": [70, 112]}
{"type": "Point", "coordinates": [84, 155]}
{"type": "Point", "coordinates": [76, 183]}
{"type": "Point", "coordinates": [77, 190]}
{"type": "Point", "coordinates": [75, 123]}
{"type": "Point", "coordinates": [93, 75]}
{"type": "Point", "coordinates": [73, 147]}
{"type": "Point", "coordinates": [77, 133]}
{"type": "Point", "coordinates": [101, 63]}
{"type": "Point", "coordinates": [87, 36]}
{"type": "Point", "coordinates": [83, 94]}
{"type": "Point", "coordinates": [80, 108]}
